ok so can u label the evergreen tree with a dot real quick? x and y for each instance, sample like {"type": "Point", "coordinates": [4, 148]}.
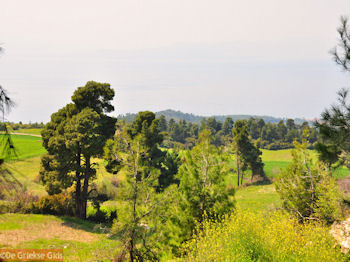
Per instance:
{"type": "Point", "coordinates": [334, 124]}
{"type": "Point", "coordinates": [76, 134]}
{"type": "Point", "coordinates": [202, 187]}
{"type": "Point", "coordinates": [228, 125]}
{"type": "Point", "coordinates": [139, 221]}
{"type": "Point", "coordinates": [246, 154]}
{"type": "Point", "coordinates": [307, 189]}
{"type": "Point", "coordinates": [163, 125]}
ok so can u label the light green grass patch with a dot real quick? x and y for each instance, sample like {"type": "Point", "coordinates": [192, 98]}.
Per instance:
{"type": "Point", "coordinates": [26, 171]}
{"type": "Point", "coordinates": [258, 198]}
{"type": "Point", "coordinates": [104, 249]}
{"type": "Point", "coordinates": [19, 221]}
{"type": "Point", "coordinates": [26, 146]}
{"type": "Point", "coordinates": [80, 240]}
{"type": "Point", "coordinates": [283, 155]}
{"type": "Point", "coordinates": [35, 131]}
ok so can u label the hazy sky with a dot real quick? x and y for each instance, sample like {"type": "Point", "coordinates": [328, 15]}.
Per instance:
{"type": "Point", "coordinates": [205, 57]}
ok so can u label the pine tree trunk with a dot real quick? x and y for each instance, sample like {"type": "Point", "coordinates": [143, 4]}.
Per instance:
{"type": "Point", "coordinates": [78, 211]}
{"type": "Point", "coordinates": [78, 198]}
{"type": "Point", "coordinates": [84, 195]}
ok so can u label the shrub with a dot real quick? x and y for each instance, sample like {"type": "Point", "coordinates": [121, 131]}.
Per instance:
{"type": "Point", "coordinates": [102, 215]}
{"type": "Point", "coordinates": [61, 204]}
{"type": "Point", "coordinates": [19, 202]}
{"type": "Point", "coordinates": [248, 236]}
{"type": "Point", "coordinates": [308, 189]}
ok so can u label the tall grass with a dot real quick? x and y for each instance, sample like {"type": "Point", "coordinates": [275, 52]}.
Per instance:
{"type": "Point", "coordinates": [248, 236]}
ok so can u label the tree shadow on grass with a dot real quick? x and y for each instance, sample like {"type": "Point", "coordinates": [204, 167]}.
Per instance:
{"type": "Point", "coordinates": [86, 225]}
{"type": "Point", "coordinates": [258, 182]}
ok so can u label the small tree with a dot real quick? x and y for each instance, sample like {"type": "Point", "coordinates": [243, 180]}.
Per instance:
{"type": "Point", "coordinates": [203, 190]}
{"type": "Point", "coordinates": [146, 127]}
{"type": "Point", "coordinates": [334, 124]}
{"type": "Point", "coordinates": [342, 58]}
{"type": "Point", "coordinates": [246, 154]}
{"type": "Point", "coordinates": [7, 149]}
{"type": "Point", "coordinates": [307, 189]}
{"type": "Point", "coordinates": [144, 207]}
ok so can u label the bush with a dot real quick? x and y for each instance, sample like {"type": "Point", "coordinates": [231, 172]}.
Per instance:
{"type": "Point", "coordinates": [18, 202]}
{"type": "Point", "coordinates": [61, 204]}
{"type": "Point", "coordinates": [308, 190]}
{"type": "Point", "coordinates": [247, 236]}
{"type": "Point", "coordinates": [102, 215]}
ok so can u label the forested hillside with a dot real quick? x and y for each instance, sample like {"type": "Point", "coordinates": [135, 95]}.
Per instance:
{"type": "Point", "coordinates": [189, 117]}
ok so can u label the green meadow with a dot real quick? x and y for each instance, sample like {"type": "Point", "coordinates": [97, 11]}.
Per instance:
{"type": "Point", "coordinates": [26, 146]}
{"type": "Point", "coordinates": [35, 131]}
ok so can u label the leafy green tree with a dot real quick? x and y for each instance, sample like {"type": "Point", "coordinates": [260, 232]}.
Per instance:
{"type": "Point", "coordinates": [170, 167]}
{"type": "Point", "coordinates": [290, 124]}
{"type": "Point", "coordinates": [163, 125]}
{"type": "Point", "coordinates": [281, 130]}
{"type": "Point", "coordinates": [334, 136]}
{"type": "Point", "coordinates": [240, 140]}
{"type": "Point", "coordinates": [202, 188]}
{"type": "Point", "coordinates": [8, 182]}
{"type": "Point", "coordinates": [227, 127]}
{"type": "Point", "coordinates": [307, 189]}
{"type": "Point", "coordinates": [76, 134]}
{"type": "Point", "coordinates": [146, 127]}
{"type": "Point", "coordinates": [343, 57]}
{"type": "Point", "coordinates": [253, 127]}
{"type": "Point", "coordinates": [138, 221]}
{"type": "Point", "coordinates": [334, 124]}
{"type": "Point", "coordinates": [246, 154]}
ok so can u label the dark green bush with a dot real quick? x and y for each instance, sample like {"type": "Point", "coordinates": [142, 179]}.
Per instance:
{"type": "Point", "coordinates": [102, 215]}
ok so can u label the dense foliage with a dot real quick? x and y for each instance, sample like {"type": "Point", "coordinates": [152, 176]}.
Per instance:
{"type": "Point", "coordinates": [135, 149]}
{"type": "Point", "coordinates": [334, 124]}
{"type": "Point", "coordinates": [196, 119]}
{"type": "Point", "coordinates": [246, 154]}
{"type": "Point", "coordinates": [76, 134]}
{"type": "Point", "coordinates": [307, 189]}
{"type": "Point", "coordinates": [272, 136]}
{"type": "Point", "coordinates": [203, 189]}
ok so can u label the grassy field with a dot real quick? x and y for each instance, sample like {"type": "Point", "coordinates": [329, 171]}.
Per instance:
{"type": "Point", "coordinates": [258, 198]}
{"type": "Point", "coordinates": [35, 131]}
{"type": "Point", "coordinates": [26, 146]}
{"type": "Point", "coordinates": [276, 160]}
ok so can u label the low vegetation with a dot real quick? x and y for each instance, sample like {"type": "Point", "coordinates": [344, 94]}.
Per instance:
{"type": "Point", "coordinates": [251, 236]}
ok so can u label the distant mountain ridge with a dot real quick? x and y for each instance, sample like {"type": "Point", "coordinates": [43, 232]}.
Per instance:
{"type": "Point", "coordinates": [178, 115]}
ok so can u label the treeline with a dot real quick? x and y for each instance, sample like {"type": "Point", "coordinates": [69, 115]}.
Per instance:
{"type": "Point", "coordinates": [271, 136]}
{"type": "Point", "coordinates": [178, 115]}
{"type": "Point", "coordinates": [20, 125]}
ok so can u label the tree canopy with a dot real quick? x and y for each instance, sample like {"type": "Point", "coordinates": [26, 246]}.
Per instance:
{"type": "Point", "coordinates": [76, 134]}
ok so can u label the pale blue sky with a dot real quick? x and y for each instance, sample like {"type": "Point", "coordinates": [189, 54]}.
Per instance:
{"type": "Point", "coordinates": [205, 57]}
